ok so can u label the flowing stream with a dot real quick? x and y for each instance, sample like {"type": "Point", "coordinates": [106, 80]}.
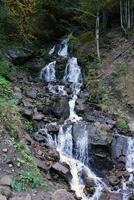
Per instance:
{"type": "Point", "coordinates": [79, 162]}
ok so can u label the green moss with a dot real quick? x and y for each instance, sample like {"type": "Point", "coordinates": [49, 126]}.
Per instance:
{"type": "Point", "coordinates": [29, 126]}
{"type": "Point", "coordinates": [122, 125]}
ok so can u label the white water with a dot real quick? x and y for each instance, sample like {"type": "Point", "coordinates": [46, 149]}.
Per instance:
{"type": "Point", "coordinates": [130, 168]}
{"type": "Point", "coordinates": [63, 49]}
{"type": "Point", "coordinates": [48, 72]}
{"type": "Point", "coordinates": [57, 89]}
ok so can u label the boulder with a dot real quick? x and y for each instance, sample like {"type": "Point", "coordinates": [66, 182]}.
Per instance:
{"type": "Point", "coordinates": [31, 93]}
{"type": "Point", "coordinates": [38, 116]}
{"type": "Point", "coordinates": [5, 180]}
{"type": "Point", "coordinates": [2, 197]}
{"type": "Point", "coordinates": [61, 170]}
{"type": "Point", "coordinates": [21, 196]}
{"type": "Point", "coordinates": [111, 196]}
{"type": "Point", "coordinates": [119, 148]}
{"type": "Point", "coordinates": [113, 180]}
{"type": "Point", "coordinates": [60, 108]}
{"type": "Point", "coordinates": [26, 112]}
{"type": "Point", "coordinates": [5, 191]}
{"type": "Point", "coordinates": [131, 126]}
{"type": "Point", "coordinates": [19, 57]}
{"type": "Point", "coordinates": [62, 194]}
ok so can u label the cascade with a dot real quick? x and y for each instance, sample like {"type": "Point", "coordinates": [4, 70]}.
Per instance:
{"type": "Point", "coordinates": [64, 142]}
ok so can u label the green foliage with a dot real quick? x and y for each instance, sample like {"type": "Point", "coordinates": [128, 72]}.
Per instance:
{"type": "Point", "coordinates": [30, 179]}
{"type": "Point", "coordinates": [29, 126]}
{"type": "Point", "coordinates": [122, 125]}
{"type": "Point", "coordinates": [10, 120]}
{"type": "Point", "coordinates": [5, 88]}
{"type": "Point", "coordinates": [120, 69]}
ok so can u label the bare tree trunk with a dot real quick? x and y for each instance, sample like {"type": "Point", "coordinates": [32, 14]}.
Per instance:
{"type": "Point", "coordinates": [132, 14]}
{"type": "Point", "coordinates": [98, 32]}
{"type": "Point", "coordinates": [121, 17]}
{"type": "Point", "coordinates": [129, 15]}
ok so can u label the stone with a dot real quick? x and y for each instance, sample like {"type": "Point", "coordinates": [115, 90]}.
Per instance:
{"type": "Point", "coordinates": [61, 170]}
{"type": "Point", "coordinates": [60, 108]}
{"type": "Point", "coordinates": [5, 180]}
{"type": "Point", "coordinates": [111, 196]}
{"type": "Point", "coordinates": [38, 116]}
{"type": "Point", "coordinates": [131, 126]}
{"type": "Point", "coordinates": [19, 57]}
{"type": "Point", "coordinates": [4, 150]}
{"type": "Point", "coordinates": [31, 93]}
{"type": "Point", "coordinates": [2, 197]}
{"type": "Point", "coordinates": [21, 197]}
{"type": "Point", "coordinates": [62, 194]}
{"type": "Point", "coordinates": [119, 147]}
{"type": "Point", "coordinates": [26, 112]}
{"type": "Point", "coordinates": [113, 180]}
{"type": "Point", "coordinates": [6, 191]}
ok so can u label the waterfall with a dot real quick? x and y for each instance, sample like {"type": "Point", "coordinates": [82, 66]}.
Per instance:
{"type": "Point", "coordinates": [65, 142]}
{"type": "Point", "coordinates": [48, 72]}
{"type": "Point", "coordinates": [127, 190]}
{"type": "Point", "coordinates": [60, 50]}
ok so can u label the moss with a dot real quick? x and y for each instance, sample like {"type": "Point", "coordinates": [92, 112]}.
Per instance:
{"type": "Point", "coordinates": [122, 125]}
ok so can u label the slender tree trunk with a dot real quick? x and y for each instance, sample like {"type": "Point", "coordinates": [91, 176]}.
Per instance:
{"type": "Point", "coordinates": [129, 16]}
{"type": "Point", "coordinates": [121, 17]}
{"type": "Point", "coordinates": [98, 32]}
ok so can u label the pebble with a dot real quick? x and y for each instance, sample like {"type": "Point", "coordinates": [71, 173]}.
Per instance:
{"type": "Point", "coordinates": [5, 150]}
{"type": "Point", "coordinates": [10, 165]}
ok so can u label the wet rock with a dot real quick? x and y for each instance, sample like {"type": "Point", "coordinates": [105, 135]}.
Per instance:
{"type": "Point", "coordinates": [89, 186]}
{"type": "Point", "coordinates": [62, 194]}
{"type": "Point", "coordinates": [80, 106]}
{"type": "Point", "coordinates": [5, 180]}
{"type": "Point", "coordinates": [2, 197]}
{"type": "Point", "coordinates": [60, 108]}
{"type": "Point", "coordinates": [27, 103]}
{"type": "Point", "coordinates": [53, 128]}
{"type": "Point", "coordinates": [21, 196]}
{"type": "Point", "coordinates": [31, 93]}
{"type": "Point", "coordinates": [113, 180]}
{"type": "Point", "coordinates": [61, 170]}
{"type": "Point", "coordinates": [119, 147]}
{"type": "Point", "coordinates": [111, 196]}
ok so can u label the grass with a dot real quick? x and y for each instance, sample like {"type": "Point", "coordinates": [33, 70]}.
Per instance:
{"type": "Point", "coordinates": [30, 179]}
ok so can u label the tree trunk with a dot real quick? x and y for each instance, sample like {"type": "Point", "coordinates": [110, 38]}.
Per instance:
{"type": "Point", "coordinates": [98, 32]}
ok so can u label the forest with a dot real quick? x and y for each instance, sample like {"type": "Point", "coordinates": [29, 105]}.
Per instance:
{"type": "Point", "coordinates": [66, 100]}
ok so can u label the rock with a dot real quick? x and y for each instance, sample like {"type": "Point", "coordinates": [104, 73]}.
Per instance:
{"type": "Point", "coordinates": [111, 196]}
{"type": "Point", "coordinates": [131, 126]}
{"type": "Point", "coordinates": [31, 93]}
{"type": "Point", "coordinates": [2, 197]}
{"type": "Point", "coordinates": [119, 147]}
{"type": "Point", "coordinates": [60, 108]}
{"type": "Point", "coordinates": [4, 150]}
{"type": "Point", "coordinates": [27, 103]}
{"type": "Point", "coordinates": [5, 180]}
{"type": "Point", "coordinates": [80, 106]}
{"type": "Point", "coordinates": [19, 57]}
{"type": "Point", "coordinates": [62, 194]}
{"type": "Point", "coordinates": [38, 116]}
{"type": "Point", "coordinates": [53, 128]}
{"type": "Point", "coordinates": [113, 180]}
{"type": "Point", "coordinates": [27, 113]}
{"type": "Point", "coordinates": [61, 170]}
{"type": "Point", "coordinates": [21, 197]}
{"type": "Point", "coordinates": [6, 191]}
